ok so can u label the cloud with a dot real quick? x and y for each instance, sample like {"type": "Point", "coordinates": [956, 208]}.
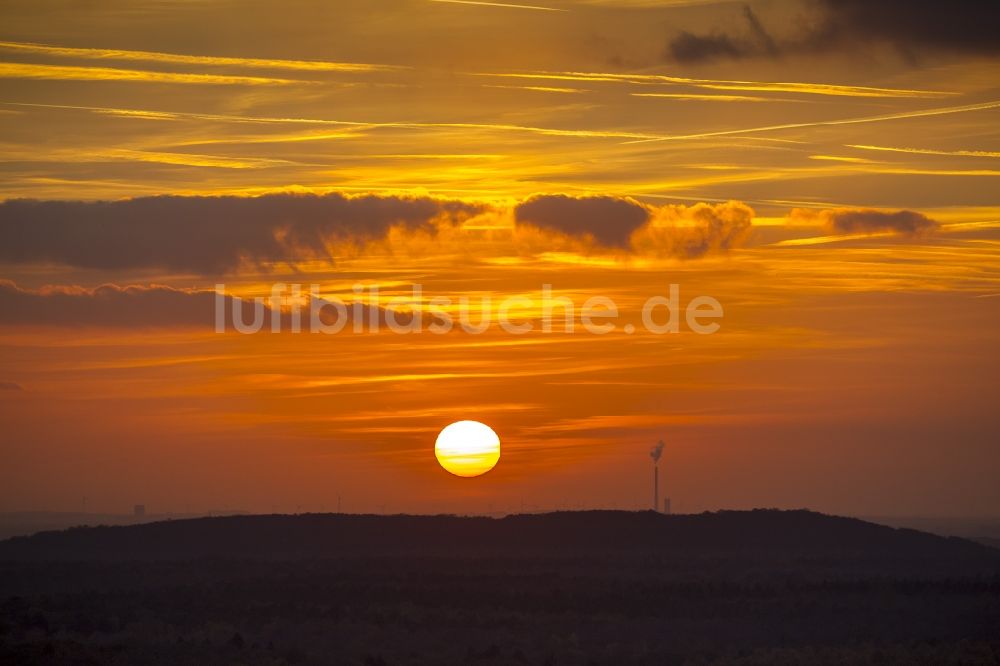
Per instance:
{"type": "Point", "coordinates": [690, 232]}
{"type": "Point", "coordinates": [867, 221]}
{"type": "Point", "coordinates": [912, 27]}
{"type": "Point", "coordinates": [760, 34]}
{"type": "Point", "coordinates": [608, 220]}
{"type": "Point", "coordinates": [967, 26]}
{"type": "Point", "coordinates": [688, 47]}
{"type": "Point", "coordinates": [10, 386]}
{"type": "Point", "coordinates": [212, 236]}
{"type": "Point", "coordinates": [685, 232]}
{"type": "Point", "coordinates": [208, 235]}
{"type": "Point", "coordinates": [107, 306]}
{"type": "Point", "coordinates": [160, 306]}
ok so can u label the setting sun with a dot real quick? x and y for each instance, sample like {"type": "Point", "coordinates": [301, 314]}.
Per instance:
{"type": "Point", "coordinates": [467, 448]}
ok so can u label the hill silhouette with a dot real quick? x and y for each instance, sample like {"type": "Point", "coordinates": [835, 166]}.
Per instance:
{"type": "Point", "coordinates": [727, 534]}
{"type": "Point", "coordinates": [580, 588]}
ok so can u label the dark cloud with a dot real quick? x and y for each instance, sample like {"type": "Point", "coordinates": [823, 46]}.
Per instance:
{"type": "Point", "coordinates": [683, 232]}
{"type": "Point", "coordinates": [213, 235]}
{"type": "Point", "coordinates": [913, 27]}
{"type": "Point", "coordinates": [207, 235]}
{"type": "Point", "coordinates": [760, 34]}
{"type": "Point", "coordinates": [609, 220]}
{"type": "Point", "coordinates": [867, 221]}
{"type": "Point", "coordinates": [688, 47]}
{"type": "Point", "coordinates": [971, 26]}
{"type": "Point", "coordinates": [107, 306]}
{"type": "Point", "coordinates": [10, 386]}
{"type": "Point", "coordinates": [157, 306]}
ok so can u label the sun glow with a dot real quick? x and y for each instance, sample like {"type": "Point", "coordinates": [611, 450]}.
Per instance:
{"type": "Point", "coordinates": [467, 448]}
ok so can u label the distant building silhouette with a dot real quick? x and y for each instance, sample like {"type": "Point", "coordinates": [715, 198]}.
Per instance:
{"type": "Point", "coordinates": [139, 511]}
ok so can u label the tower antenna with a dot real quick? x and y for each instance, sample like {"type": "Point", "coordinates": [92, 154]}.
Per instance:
{"type": "Point", "coordinates": [655, 454]}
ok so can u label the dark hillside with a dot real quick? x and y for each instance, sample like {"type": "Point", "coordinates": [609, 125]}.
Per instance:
{"type": "Point", "coordinates": [726, 535]}
{"type": "Point", "coordinates": [576, 589]}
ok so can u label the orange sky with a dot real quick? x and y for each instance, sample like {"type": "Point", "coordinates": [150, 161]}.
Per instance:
{"type": "Point", "coordinates": [837, 196]}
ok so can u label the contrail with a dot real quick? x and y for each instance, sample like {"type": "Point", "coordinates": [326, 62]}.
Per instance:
{"type": "Point", "coordinates": [712, 98]}
{"type": "Point", "coordinates": [501, 4]}
{"type": "Point", "coordinates": [16, 70]}
{"type": "Point", "coordinates": [185, 59]}
{"type": "Point", "coordinates": [171, 115]}
{"type": "Point", "coordinates": [926, 151]}
{"type": "Point", "coordinates": [823, 123]}
{"type": "Point", "coordinates": [828, 89]}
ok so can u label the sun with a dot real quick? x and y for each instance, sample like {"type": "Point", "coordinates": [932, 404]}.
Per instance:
{"type": "Point", "coordinates": [467, 448]}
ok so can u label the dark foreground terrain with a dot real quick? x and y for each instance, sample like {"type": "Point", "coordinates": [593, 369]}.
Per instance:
{"type": "Point", "coordinates": [760, 587]}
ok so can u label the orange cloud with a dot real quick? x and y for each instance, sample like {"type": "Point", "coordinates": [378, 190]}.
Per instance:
{"type": "Point", "coordinates": [689, 232]}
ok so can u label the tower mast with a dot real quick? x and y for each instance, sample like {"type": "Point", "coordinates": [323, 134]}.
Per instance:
{"type": "Point", "coordinates": [655, 454]}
